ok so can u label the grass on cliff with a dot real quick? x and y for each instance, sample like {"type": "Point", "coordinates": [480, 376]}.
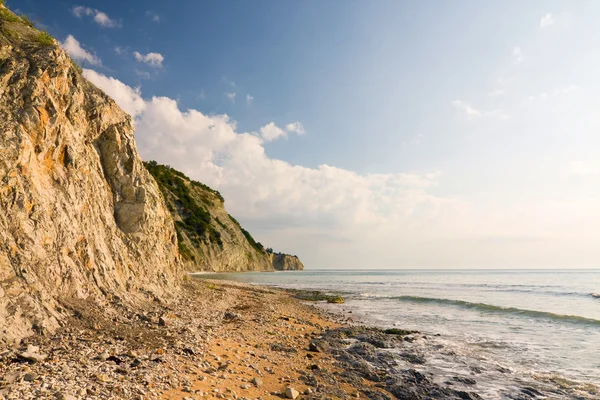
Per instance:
{"type": "Point", "coordinates": [44, 39]}
{"type": "Point", "coordinates": [8, 16]}
{"type": "Point", "coordinates": [257, 245]}
{"type": "Point", "coordinates": [196, 220]}
{"type": "Point", "coordinates": [25, 19]}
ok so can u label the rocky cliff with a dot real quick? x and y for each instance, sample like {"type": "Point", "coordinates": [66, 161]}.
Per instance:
{"type": "Point", "coordinates": [209, 238]}
{"type": "Point", "coordinates": [80, 215]}
{"type": "Point", "coordinates": [285, 262]}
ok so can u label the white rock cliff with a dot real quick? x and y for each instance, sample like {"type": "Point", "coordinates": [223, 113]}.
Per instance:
{"type": "Point", "coordinates": [80, 217]}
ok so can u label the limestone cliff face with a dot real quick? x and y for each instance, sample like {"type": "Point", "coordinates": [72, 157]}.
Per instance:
{"type": "Point", "coordinates": [286, 262]}
{"type": "Point", "coordinates": [209, 238]}
{"type": "Point", "coordinates": [80, 217]}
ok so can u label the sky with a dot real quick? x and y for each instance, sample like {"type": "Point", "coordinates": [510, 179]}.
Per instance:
{"type": "Point", "coordinates": [366, 134]}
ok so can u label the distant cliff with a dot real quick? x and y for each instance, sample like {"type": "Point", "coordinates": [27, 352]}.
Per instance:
{"type": "Point", "coordinates": [209, 239]}
{"type": "Point", "coordinates": [285, 262]}
{"type": "Point", "coordinates": [80, 217]}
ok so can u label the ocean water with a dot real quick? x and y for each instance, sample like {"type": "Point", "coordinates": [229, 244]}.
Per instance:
{"type": "Point", "coordinates": [517, 326]}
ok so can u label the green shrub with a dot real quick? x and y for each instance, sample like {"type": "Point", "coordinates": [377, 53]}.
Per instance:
{"type": "Point", "coordinates": [257, 245]}
{"type": "Point", "coordinates": [6, 15]}
{"type": "Point", "coordinates": [44, 39]}
{"type": "Point", "coordinates": [196, 220]}
{"type": "Point", "coordinates": [25, 19]}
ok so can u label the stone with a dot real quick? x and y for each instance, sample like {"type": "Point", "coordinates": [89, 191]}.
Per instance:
{"type": "Point", "coordinates": [12, 377]}
{"type": "Point", "coordinates": [64, 396]}
{"type": "Point", "coordinates": [29, 377]}
{"type": "Point", "coordinates": [257, 382]}
{"type": "Point", "coordinates": [31, 356]}
{"type": "Point", "coordinates": [291, 393]}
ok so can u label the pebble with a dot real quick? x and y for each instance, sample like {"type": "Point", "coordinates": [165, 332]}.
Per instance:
{"type": "Point", "coordinates": [291, 393]}
{"type": "Point", "coordinates": [257, 382]}
{"type": "Point", "coordinates": [29, 377]}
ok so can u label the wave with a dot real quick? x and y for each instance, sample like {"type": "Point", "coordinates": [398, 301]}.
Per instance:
{"type": "Point", "coordinates": [486, 287]}
{"type": "Point", "coordinates": [500, 310]}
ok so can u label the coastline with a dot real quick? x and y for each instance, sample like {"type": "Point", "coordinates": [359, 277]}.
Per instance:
{"type": "Point", "coordinates": [224, 339]}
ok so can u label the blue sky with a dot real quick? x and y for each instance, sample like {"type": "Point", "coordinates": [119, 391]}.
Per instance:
{"type": "Point", "coordinates": [459, 134]}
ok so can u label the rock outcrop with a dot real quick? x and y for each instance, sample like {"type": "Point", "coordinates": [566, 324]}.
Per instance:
{"type": "Point", "coordinates": [209, 238]}
{"type": "Point", "coordinates": [80, 217]}
{"type": "Point", "coordinates": [285, 262]}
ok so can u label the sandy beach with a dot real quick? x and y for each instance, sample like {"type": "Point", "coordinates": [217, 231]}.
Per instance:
{"type": "Point", "coordinates": [216, 340]}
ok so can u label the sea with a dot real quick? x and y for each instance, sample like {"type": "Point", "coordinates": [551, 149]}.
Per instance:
{"type": "Point", "coordinates": [513, 327]}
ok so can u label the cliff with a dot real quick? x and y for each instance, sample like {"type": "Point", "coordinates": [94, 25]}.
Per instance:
{"type": "Point", "coordinates": [80, 217]}
{"type": "Point", "coordinates": [209, 238]}
{"type": "Point", "coordinates": [285, 262]}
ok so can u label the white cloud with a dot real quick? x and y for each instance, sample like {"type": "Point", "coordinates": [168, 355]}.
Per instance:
{"type": "Point", "coordinates": [466, 109]}
{"type": "Point", "coordinates": [228, 81]}
{"type": "Point", "coordinates": [472, 112]}
{"type": "Point", "coordinates": [153, 16]}
{"type": "Point", "coordinates": [143, 74]}
{"type": "Point", "coordinates": [249, 99]}
{"type": "Point", "coordinates": [119, 50]}
{"type": "Point", "coordinates": [99, 17]}
{"type": "Point", "coordinates": [74, 49]}
{"type": "Point", "coordinates": [80, 11]}
{"type": "Point", "coordinates": [127, 98]}
{"type": "Point", "coordinates": [152, 59]}
{"type": "Point", "coordinates": [295, 127]}
{"type": "Point", "coordinates": [271, 132]}
{"type": "Point", "coordinates": [547, 20]}
{"type": "Point", "coordinates": [230, 96]}
{"type": "Point", "coordinates": [517, 55]}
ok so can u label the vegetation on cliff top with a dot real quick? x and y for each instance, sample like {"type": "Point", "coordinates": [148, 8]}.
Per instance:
{"type": "Point", "coordinates": [196, 221]}
{"type": "Point", "coordinates": [257, 245]}
{"type": "Point", "coordinates": [13, 27]}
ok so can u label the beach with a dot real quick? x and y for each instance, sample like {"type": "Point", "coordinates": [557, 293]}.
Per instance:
{"type": "Point", "coordinates": [216, 340]}
{"type": "Point", "coordinates": [224, 339]}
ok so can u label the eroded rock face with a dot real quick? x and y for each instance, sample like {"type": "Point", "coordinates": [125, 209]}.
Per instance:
{"type": "Point", "coordinates": [209, 238]}
{"type": "Point", "coordinates": [80, 217]}
{"type": "Point", "coordinates": [286, 262]}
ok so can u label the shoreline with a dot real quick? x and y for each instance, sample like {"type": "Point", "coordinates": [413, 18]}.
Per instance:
{"type": "Point", "coordinates": [224, 339]}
